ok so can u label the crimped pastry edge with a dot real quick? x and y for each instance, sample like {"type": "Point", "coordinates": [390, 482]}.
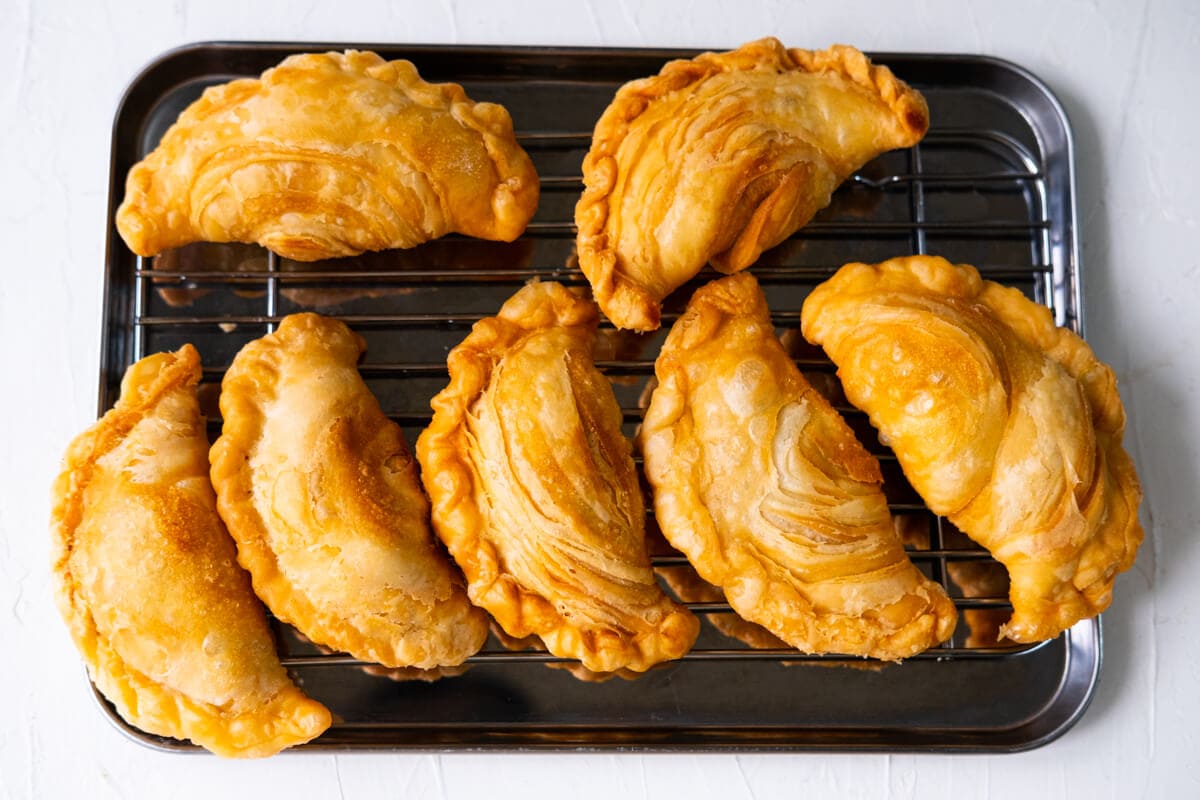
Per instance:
{"type": "Point", "coordinates": [516, 175]}
{"type": "Point", "coordinates": [233, 480]}
{"type": "Point", "coordinates": [637, 309]}
{"type": "Point", "coordinates": [1031, 322]}
{"type": "Point", "coordinates": [712, 306]}
{"type": "Point", "coordinates": [139, 699]}
{"type": "Point", "coordinates": [450, 481]}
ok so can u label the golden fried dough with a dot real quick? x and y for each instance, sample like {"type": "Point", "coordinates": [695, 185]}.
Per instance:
{"type": "Point", "coordinates": [327, 155]}
{"type": "Point", "coordinates": [716, 159]}
{"type": "Point", "coordinates": [762, 485]}
{"type": "Point", "coordinates": [535, 492]}
{"type": "Point", "coordinates": [146, 579]}
{"type": "Point", "coordinates": [321, 494]}
{"type": "Point", "coordinates": [1003, 422]}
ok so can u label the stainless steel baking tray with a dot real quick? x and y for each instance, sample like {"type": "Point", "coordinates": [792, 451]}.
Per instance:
{"type": "Point", "coordinates": [991, 185]}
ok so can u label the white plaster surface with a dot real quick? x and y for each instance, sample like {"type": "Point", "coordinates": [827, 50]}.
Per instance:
{"type": "Point", "coordinates": [1127, 74]}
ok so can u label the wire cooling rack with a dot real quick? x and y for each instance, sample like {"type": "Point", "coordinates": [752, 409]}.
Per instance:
{"type": "Point", "coordinates": [990, 185]}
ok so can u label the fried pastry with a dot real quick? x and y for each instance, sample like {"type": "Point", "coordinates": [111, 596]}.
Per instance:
{"type": "Point", "coordinates": [535, 492]}
{"type": "Point", "coordinates": [1003, 422]}
{"type": "Point", "coordinates": [327, 155]}
{"type": "Point", "coordinates": [321, 494]}
{"type": "Point", "coordinates": [762, 485]}
{"type": "Point", "coordinates": [145, 577]}
{"type": "Point", "coordinates": [716, 159]}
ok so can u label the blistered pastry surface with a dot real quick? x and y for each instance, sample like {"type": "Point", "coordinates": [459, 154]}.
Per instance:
{"type": "Point", "coordinates": [320, 490]}
{"type": "Point", "coordinates": [146, 578]}
{"type": "Point", "coordinates": [328, 155]}
{"type": "Point", "coordinates": [535, 492]}
{"type": "Point", "coordinates": [759, 481]}
{"type": "Point", "coordinates": [1003, 422]}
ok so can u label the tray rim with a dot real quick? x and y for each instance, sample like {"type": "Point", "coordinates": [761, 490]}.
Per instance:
{"type": "Point", "coordinates": [817, 740]}
{"type": "Point", "coordinates": [1083, 642]}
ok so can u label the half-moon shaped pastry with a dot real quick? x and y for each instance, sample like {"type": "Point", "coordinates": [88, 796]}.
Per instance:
{"type": "Point", "coordinates": [1003, 422]}
{"type": "Point", "coordinates": [762, 485]}
{"type": "Point", "coordinates": [716, 159]}
{"type": "Point", "coordinates": [146, 579]}
{"type": "Point", "coordinates": [321, 494]}
{"type": "Point", "coordinates": [329, 155]}
{"type": "Point", "coordinates": [535, 492]}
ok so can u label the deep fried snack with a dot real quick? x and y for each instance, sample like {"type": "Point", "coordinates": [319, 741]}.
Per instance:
{"type": "Point", "coordinates": [716, 159]}
{"type": "Point", "coordinates": [1003, 422]}
{"type": "Point", "coordinates": [146, 579]}
{"type": "Point", "coordinates": [327, 155]}
{"type": "Point", "coordinates": [762, 485]}
{"type": "Point", "coordinates": [321, 494]}
{"type": "Point", "coordinates": [535, 492]}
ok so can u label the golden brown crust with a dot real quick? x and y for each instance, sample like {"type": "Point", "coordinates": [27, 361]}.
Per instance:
{"type": "Point", "coordinates": [327, 155]}
{"type": "Point", "coordinates": [906, 104]}
{"type": "Point", "coordinates": [535, 492]}
{"type": "Point", "coordinates": [320, 492]}
{"type": "Point", "coordinates": [762, 485]}
{"type": "Point", "coordinates": [731, 153]}
{"type": "Point", "coordinates": [1002, 421]}
{"type": "Point", "coordinates": [145, 577]}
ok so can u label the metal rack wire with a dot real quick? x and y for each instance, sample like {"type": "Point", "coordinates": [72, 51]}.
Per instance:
{"type": "Point", "coordinates": [1000, 167]}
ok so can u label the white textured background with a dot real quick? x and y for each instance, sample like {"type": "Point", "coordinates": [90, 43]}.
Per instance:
{"type": "Point", "coordinates": [1127, 73]}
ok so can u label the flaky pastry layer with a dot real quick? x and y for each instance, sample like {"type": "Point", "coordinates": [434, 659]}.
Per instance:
{"type": "Point", "coordinates": [535, 492]}
{"type": "Point", "coordinates": [146, 578]}
{"type": "Point", "coordinates": [328, 155]}
{"type": "Point", "coordinates": [1002, 421]}
{"type": "Point", "coordinates": [762, 485]}
{"type": "Point", "coordinates": [320, 491]}
{"type": "Point", "coordinates": [720, 157]}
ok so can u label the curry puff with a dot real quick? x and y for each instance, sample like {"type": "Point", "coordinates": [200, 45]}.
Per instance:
{"type": "Point", "coordinates": [327, 155]}
{"type": "Point", "coordinates": [320, 491]}
{"type": "Point", "coordinates": [762, 485]}
{"type": "Point", "coordinates": [1003, 422]}
{"type": "Point", "coordinates": [146, 578]}
{"type": "Point", "coordinates": [716, 159]}
{"type": "Point", "coordinates": [535, 492]}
